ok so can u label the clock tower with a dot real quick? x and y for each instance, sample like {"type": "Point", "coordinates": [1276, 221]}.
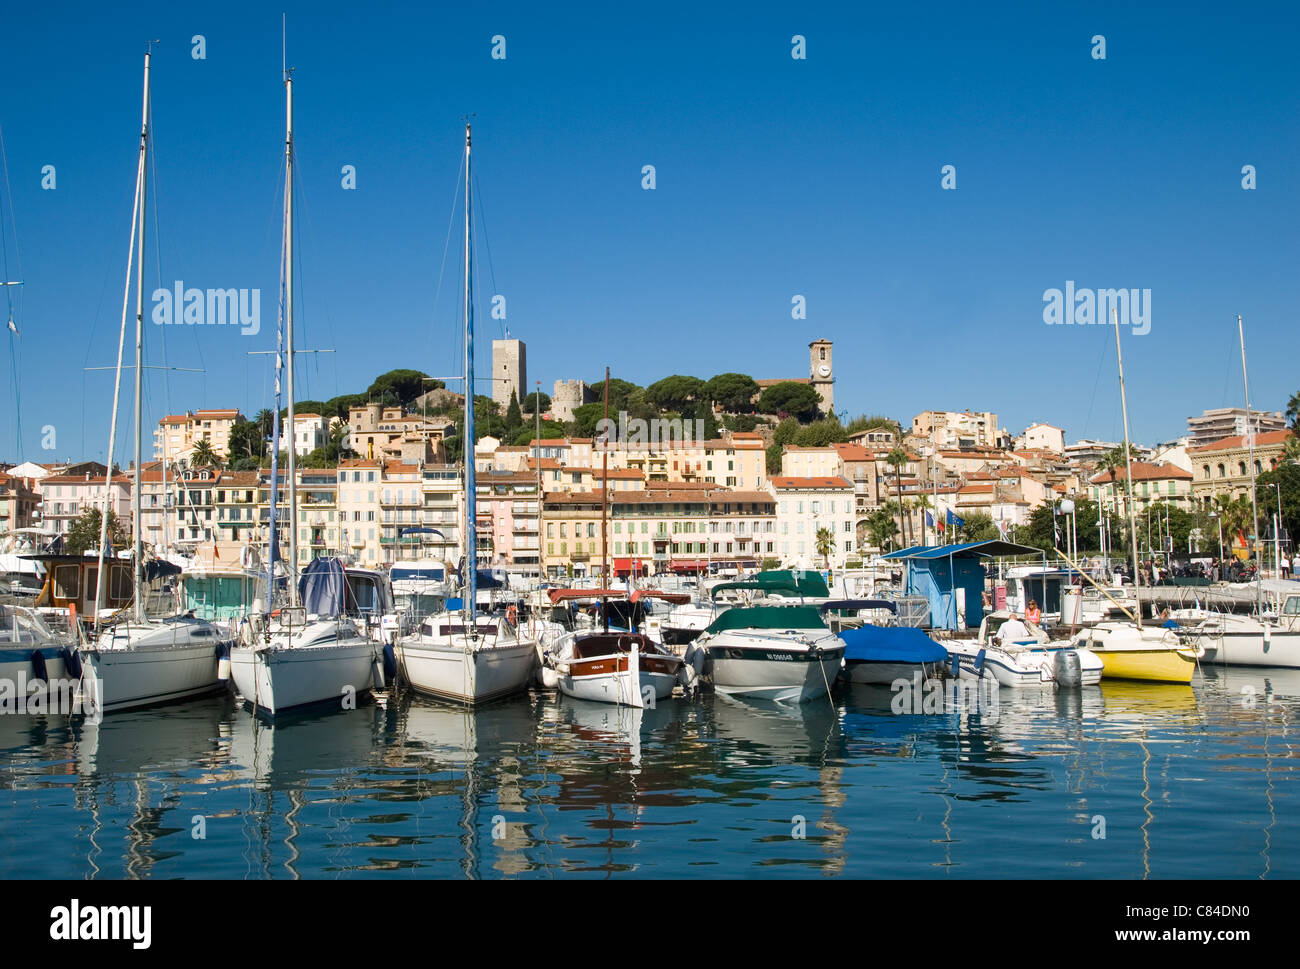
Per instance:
{"type": "Point", "coordinates": [822, 374]}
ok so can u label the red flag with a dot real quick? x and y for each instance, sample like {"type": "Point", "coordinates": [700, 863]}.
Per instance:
{"type": "Point", "coordinates": [216, 552]}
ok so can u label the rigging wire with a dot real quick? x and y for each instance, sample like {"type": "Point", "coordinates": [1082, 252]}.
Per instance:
{"type": "Point", "coordinates": [14, 369]}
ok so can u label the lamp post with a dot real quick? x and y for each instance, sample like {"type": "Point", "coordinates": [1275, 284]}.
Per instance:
{"type": "Point", "coordinates": [1218, 522]}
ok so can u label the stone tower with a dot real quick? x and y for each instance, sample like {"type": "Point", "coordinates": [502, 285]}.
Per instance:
{"type": "Point", "coordinates": [822, 373]}
{"type": "Point", "coordinates": [509, 361]}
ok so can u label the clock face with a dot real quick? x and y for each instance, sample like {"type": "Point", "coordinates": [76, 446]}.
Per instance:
{"type": "Point", "coordinates": [824, 370]}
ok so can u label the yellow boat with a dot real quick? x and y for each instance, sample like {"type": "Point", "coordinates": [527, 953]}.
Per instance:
{"type": "Point", "coordinates": [1152, 653]}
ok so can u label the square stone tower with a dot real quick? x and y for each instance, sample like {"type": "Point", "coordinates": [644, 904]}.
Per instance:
{"type": "Point", "coordinates": [509, 361]}
{"type": "Point", "coordinates": [822, 373]}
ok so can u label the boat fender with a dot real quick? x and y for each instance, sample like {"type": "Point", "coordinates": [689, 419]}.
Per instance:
{"type": "Point", "coordinates": [979, 661]}
{"type": "Point", "coordinates": [223, 662]}
{"type": "Point", "coordinates": [390, 663]}
{"type": "Point", "coordinates": [956, 666]}
{"type": "Point", "coordinates": [72, 662]}
{"type": "Point", "coordinates": [550, 678]}
{"type": "Point", "coordinates": [39, 671]}
{"type": "Point", "coordinates": [377, 672]}
{"type": "Point", "coordinates": [1067, 670]}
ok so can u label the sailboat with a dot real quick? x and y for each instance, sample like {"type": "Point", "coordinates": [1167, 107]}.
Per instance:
{"type": "Point", "coordinates": [140, 661]}
{"type": "Point", "coordinates": [456, 654]}
{"type": "Point", "coordinates": [311, 651]}
{"type": "Point", "coordinates": [1129, 650]}
{"type": "Point", "coordinates": [1259, 639]}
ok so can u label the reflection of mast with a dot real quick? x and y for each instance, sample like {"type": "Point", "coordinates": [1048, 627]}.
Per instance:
{"type": "Point", "coordinates": [290, 840]}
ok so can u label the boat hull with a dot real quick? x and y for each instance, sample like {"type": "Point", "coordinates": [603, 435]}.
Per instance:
{"type": "Point", "coordinates": [1280, 649]}
{"type": "Point", "coordinates": [867, 671]}
{"type": "Point", "coordinates": [144, 676]}
{"type": "Point", "coordinates": [632, 681]}
{"type": "Point", "coordinates": [776, 673]}
{"type": "Point", "coordinates": [1025, 668]}
{"type": "Point", "coordinates": [272, 680]}
{"type": "Point", "coordinates": [451, 671]}
{"type": "Point", "coordinates": [1150, 665]}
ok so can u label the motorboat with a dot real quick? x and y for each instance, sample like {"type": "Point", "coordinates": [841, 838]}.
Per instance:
{"type": "Point", "coordinates": [784, 653]}
{"type": "Point", "coordinates": [1029, 660]}
{"type": "Point", "coordinates": [612, 666]}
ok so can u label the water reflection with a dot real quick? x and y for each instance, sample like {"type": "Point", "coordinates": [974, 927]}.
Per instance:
{"type": "Point", "coordinates": [1188, 779]}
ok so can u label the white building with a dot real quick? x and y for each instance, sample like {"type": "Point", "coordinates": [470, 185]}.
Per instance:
{"type": "Point", "coordinates": [310, 431]}
{"type": "Point", "coordinates": [803, 506]}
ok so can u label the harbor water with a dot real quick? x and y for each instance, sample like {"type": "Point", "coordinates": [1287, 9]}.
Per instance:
{"type": "Point", "coordinates": [1122, 780]}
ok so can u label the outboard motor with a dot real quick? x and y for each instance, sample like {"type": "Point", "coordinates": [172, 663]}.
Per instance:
{"type": "Point", "coordinates": [1067, 671]}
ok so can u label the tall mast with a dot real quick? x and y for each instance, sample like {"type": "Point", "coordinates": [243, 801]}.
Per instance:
{"type": "Point", "coordinates": [138, 554]}
{"type": "Point", "coordinates": [288, 328]}
{"type": "Point", "coordinates": [537, 416]}
{"type": "Point", "coordinates": [1250, 457]}
{"type": "Point", "coordinates": [467, 447]}
{"type": "Point", "coordinates": [604, 507]}
{"type": "Point", "coordinates": [1128, 466]}
{"type": "Point", "coordinates": [136, 222]}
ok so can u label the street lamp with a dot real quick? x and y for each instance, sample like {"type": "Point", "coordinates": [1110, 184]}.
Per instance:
{"type": "Point", "coordinates": [1219, 525]}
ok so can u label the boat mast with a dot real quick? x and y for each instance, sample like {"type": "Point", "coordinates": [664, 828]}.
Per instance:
{"type": "Point", "coordinates": [537, 416]}
{"type": "Point", "coordinates": [288, 329]}
{"type": "Point", "coordinates": [137, 557]}
{"type": "Point", "coordinates": [604, 508]}
{"type": "Point", "coordinates": [470, 557]}
{"type": "Point", "coordinates": [1128, 468]}
{"type": "Point", "coordinates": [136, 224]}
{"type": "Point", "coordinates": [1250, 457]}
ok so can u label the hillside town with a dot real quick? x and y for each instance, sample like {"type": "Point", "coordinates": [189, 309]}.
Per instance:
{"type": "Point", "coordinates": [377, 481]}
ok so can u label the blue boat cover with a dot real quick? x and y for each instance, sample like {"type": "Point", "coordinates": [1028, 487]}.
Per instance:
{"type": "Point", "coordinates": [890, 644]}
{"type": "Point", "coordinates": [321, 587]}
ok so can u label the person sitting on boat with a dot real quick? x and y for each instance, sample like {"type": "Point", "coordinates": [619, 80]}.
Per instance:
{"type": "Point", "coordinates": [1033, 614]}
{"type": "Point", "coordinates": [1012, 630]}
{"type": "Point", "coordinates": [1166, 621]}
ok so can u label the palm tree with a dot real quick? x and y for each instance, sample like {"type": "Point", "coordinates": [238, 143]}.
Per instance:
{"type": "Point", "coordinates": [896, 459]}
{"type": "Point", "coordinates": [1293, 410]}
{"type": "Point", "coordinates": [1291, 451]}
{"type": "Point", "coordinates": [881, 525]}
{"type": "Point", "coordinates": [203, 455]}
{"type": "Point", "coordinates": [824, 545]}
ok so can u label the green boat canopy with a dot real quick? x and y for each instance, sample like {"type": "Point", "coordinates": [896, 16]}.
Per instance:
{"type": "Point", "coordinates": [768, 617]}
{"type": "Point", "coordinates": [795, 582]}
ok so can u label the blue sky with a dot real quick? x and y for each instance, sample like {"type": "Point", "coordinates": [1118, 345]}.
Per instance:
{"type": "Point", "coordinates": [775, 177]}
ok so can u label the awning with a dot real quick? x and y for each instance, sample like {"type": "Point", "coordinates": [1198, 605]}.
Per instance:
{"type": "Point", "coordinates": [565, 595]}
{"type": "Point", "coordinates": [993, 548]}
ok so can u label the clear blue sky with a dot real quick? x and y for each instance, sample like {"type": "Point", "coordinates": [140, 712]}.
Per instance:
{"type": "Point", "coordinates": [775, 177]}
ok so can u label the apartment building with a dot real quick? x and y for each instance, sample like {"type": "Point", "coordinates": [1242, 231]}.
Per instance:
{"type": "Point", "coordinates": [806, 505]}
{"type": "Point", "coordinates": [1224, 466]}
{"type": "Point", "coordinates": [176, 436]}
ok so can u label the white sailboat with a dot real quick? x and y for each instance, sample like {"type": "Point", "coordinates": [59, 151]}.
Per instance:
{"type": "Point", "coordinates": [140, 661]}
{"type": "Point", "coordinates": [311, 651]}
{"type": "Point", "coordinates": [456, 655]}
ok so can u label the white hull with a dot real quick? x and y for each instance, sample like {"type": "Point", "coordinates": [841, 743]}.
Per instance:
{"type": "Point", "coordinates": [1250, 647]}
{"type": "Point", "coordinates": [621, 688]}
{"type": "Point", "coordinates": [458, 672]}
{"type": "Point", "coordinates": [277, 678]}
{"type": "Point", "coordinates": [1030, 667]}
{"type": "Point", "coordinates": [142, 665]}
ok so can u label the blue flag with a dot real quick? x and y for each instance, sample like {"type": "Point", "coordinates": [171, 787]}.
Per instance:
{"type": "Point", "coordinates": [929, 519]}
{"type": "Point", "coordinates": [955, 521]}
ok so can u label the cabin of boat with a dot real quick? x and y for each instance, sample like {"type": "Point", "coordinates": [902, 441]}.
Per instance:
{"type": "Point", "coordinates": [600, 653]}
{"type": "Point", "coordinates": [72, 580]}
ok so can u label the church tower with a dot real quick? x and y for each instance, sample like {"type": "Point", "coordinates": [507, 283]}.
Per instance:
{"type": "Point", "coordinates": [822, 373]}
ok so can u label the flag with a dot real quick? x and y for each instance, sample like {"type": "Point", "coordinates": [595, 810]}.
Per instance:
{"type": "Point", "coordinates": [954, 521]}
{"type": "Point", "coordinates": [216, 552]}
{"type": "Point", "coordinates": [929, 519]}
{"type": "Point", "coordinates": [13, 327]}
{"type": "Point", "coordinates": [1002, 527]}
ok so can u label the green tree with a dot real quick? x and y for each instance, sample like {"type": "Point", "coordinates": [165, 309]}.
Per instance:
{"type": "Point", "coordinates": [825, 545]}
{"type": "Point", "coordinates": [979, 527]}
{"type": "Point", "coordinates": [767, 565]}
{"type": "Point", "coordinates": [774, 459]}
{"type": "Point", "coordinates": [733, 392]}
{"type": "Point", "coordinates": [897, 459]}
{"type": "Point", "coordinates": [867, 422]}
{"type": "Point", "coordinates": [203, 456]}
{"type": "Point", "coordinates": [796, 399]}
{"type": "Point", "coordinates": [529, 405]}
{"type": "Point", "coordinates": [821, 433]}
{"type": "Point", "coordinates": [1287, 478]}
{"type": "Point", "coordinates": [675, 392]}
{"type": "Point", "coordinates": [786, 432]}
{"type": "Point", "coordinates": [398, 387]}
{"type": "Point", "coordinates": [1293, 411]}
{"type": "Point", "coordinates": [882, 525]}
{"type": "Point", "coordinates": [514, 417]}
{"type": "Point", "coordinates": [83, 534]}
{"type": "Point", "coordinates": [738, 422]}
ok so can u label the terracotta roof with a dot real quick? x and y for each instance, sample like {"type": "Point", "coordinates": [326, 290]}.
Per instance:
{"type": "Point", "coordinates": [1143, 471]}
{"type": "Point", "coordinates": [358, 463]}
{"type": "Point", "coordinates": [733, 497]}
{"type": "Point", "coordinates": [853, 452]}
{"type": "Point", "coordinates": [773, 381]}
{"type": "Point", "coordinates": [793, 483]}
{"type": "Point", "coordinates": [1262, 439]}
{"type": "Point", "coordinates": [175, 419]}
{"type": "Point", "coordinates": [217, 413]}
{"type": "Point", "coordinates": [296, 415]}
{"type": "Point", "coordinates": [624, 473]}
{"type": "Point", "coordinates": [239, 479]}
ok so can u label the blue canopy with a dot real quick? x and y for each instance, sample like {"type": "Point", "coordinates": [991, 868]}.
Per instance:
{"type": "Point", "coordinates": [891, 644]}
{"type": "Point", "coordinates": [322, 586]}
{"type": "Point", "coordinates": [993, 547]}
